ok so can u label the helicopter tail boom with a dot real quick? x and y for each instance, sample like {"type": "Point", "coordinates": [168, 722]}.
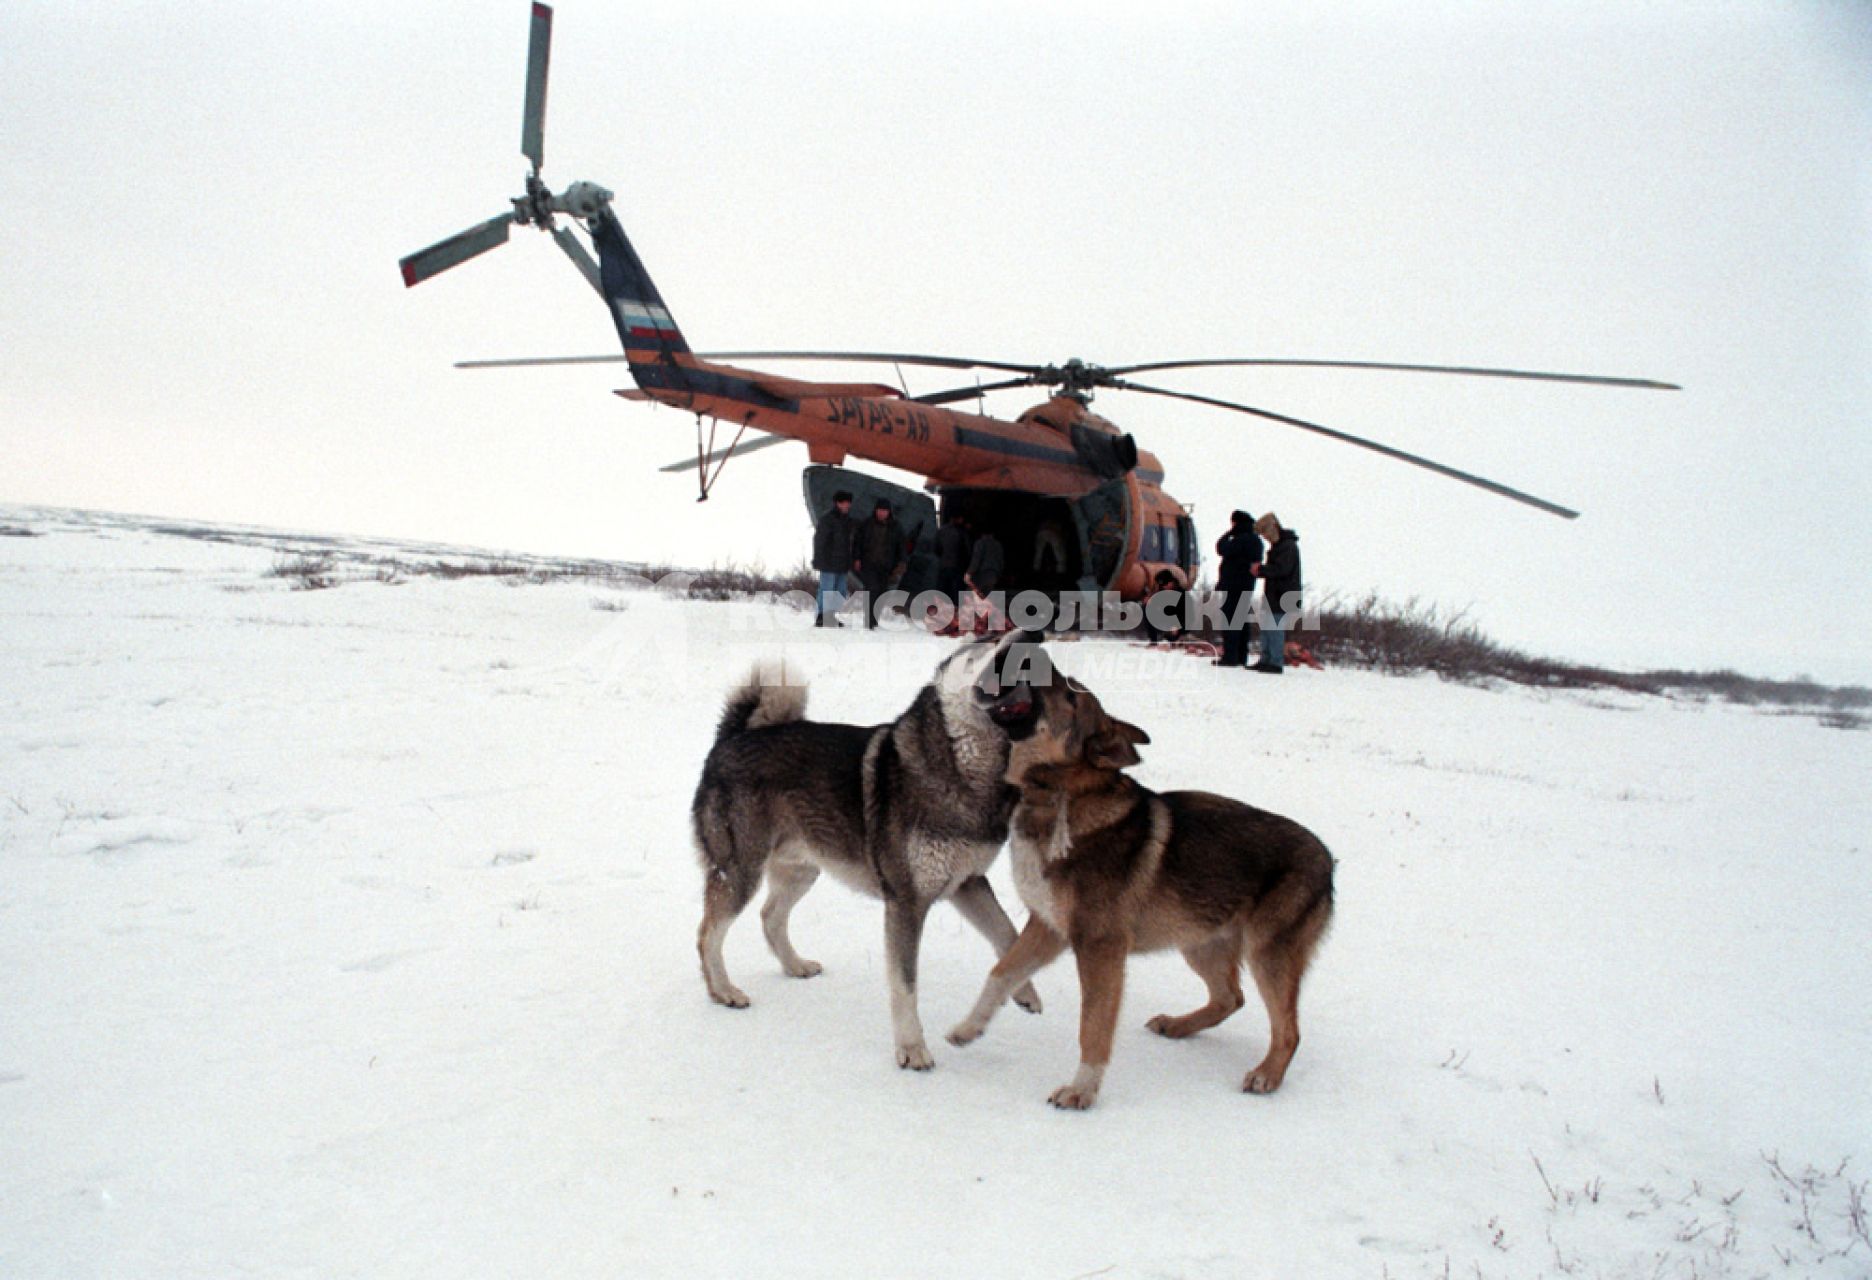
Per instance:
{"type": "Point", "coordinates": [644, 324]}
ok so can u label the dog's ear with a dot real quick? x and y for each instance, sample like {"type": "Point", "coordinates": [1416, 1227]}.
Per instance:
{"type": "Point", "coordinates": [1111, 747]}
{"type": "Point", "coordinates": [1088, 717]}
{"type": "Point", "coordinates": [1104, 742]}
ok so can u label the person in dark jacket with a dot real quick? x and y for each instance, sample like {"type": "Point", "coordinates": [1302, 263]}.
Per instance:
{"type": "Point", "coordinates": [1240, 553]}
{"type": "Point", "coordinates": [1165, 601]}
{"type": "Point", "coordinates": [1280, 574]}
{"type": "Point", "coordinates": [952, 557]}
{"type": "Point", "coordinates": [986, 562]}
{"type": "Point", "coordinates": [880, 557]}
{"type": "Point", "coordinates": [832, 556]}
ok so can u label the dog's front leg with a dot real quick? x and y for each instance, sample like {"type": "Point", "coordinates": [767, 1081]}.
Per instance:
{"type": "Point", "coordinates": [903, 935]}
{"type": "Point", "coordinates": [1101, 988]}
{"type": "Point", "coordinates": [1037, 947]}
{"type": "Point", "coordinates": [975, 899]}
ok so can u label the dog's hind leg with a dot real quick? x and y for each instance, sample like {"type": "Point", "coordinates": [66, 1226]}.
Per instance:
{"type": "Point", "coordinates": [725, 892]}
{"type": "Point", "coordinates": [1278, 964]}
{"type": "Point", "coordinates": [1217, 961]}
{"type": "Point", "coordinates": [975, 899]}
{"type": "Point", "coordinates": [787, 883]}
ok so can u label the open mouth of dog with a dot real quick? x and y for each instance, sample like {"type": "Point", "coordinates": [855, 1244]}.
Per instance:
{"type": "Point", "coordinates": [1007, 687]}
{"type": "Point", "coordinates": [1015, 708]}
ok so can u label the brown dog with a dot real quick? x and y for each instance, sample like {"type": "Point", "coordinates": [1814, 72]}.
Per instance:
{"type": "Point", "coordinates": [1109, 867]}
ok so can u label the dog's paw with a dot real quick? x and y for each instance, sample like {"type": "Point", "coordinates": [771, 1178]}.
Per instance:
{"type": "Point", "coordinates": [805, 969]}
{"type": "Point", "coordinates": [1073, 1097]}
{"type": "Point", "coordinates": [731, 997]}
{"type": "Point", "coordinates": [914, 1057]}
{"type": "Point", "coordinates": [1028, 999]}
{"type": "Point", "coordinates": [964, 1033]}
{"type": "Point", "coordinates": [1169, 1027]}
{"type": "Point", "coordinates": [1262, 1080]}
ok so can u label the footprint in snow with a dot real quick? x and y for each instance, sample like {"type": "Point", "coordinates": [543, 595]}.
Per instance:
{"type": "Point", "coordinates": [378, 963]}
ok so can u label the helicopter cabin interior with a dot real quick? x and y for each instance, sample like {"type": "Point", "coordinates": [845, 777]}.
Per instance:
{"type": "Point", "coordinates": [1049, 543]}
{"type": "Point", "coordinates": [1043, 539]}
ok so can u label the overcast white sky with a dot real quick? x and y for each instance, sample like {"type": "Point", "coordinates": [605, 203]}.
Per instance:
{"type": "Point", "coordinates": [204, 207]}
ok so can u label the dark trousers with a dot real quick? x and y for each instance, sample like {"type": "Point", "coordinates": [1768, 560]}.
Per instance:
{"type": "Point", "coordinates": [875, 585]}
{"type": "Point", "coordinates": [1234, 638]}
{"type": "Point", "coordinates": [949, 583]}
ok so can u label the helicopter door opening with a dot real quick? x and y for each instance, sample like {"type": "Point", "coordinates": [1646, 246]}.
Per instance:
{"type": "Point", "coordinates": [915, 513]}
{"type": "Point", "coordinates": [1048, 543]}
{"type": "Point", "coordinates": [1105, 525]}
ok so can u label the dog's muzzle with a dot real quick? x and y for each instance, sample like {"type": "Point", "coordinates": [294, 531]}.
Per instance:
{"type": "Point", "coordinates": [1015, 709]}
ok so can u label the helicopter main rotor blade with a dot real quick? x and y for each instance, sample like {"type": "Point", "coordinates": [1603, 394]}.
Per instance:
{"type": "Point", "coordinates": [1591, 379]}
{"type": "Point", "coordinates": [1416, 460]}
{"type": "Point", "coordinates": [455, 250]}
{"type": "Point", "coordinates": [970, 393]}
{"type": "Point", "coordinates": [517, 362]}
{"type": "Point", "coordinates": [874, 357]}
{"type": "Point", "coordinates": [746, 446]}
{"type": "Point", "coordinates": [940, 361]}
{"type": "Point", "coordinates": [533, 119]}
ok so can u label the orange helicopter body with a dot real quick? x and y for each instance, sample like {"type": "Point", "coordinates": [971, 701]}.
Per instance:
{"type": "Point", "coordinates": [1076, 505]}
{"type": "Point", "coordinates": [1058, 463]}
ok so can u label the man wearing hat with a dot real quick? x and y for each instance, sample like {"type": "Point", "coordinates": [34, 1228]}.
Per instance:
{"type": "Point", "coordinates": [1281, 574]}
{"type": "Point", "coordinates": [880, 557]}
{"type": "Point", "coordinates": [1239, 550]}
{"type": "Point", "coordinates": [832, 556]}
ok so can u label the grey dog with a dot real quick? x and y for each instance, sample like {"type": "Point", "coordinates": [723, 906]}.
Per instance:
{"type": "Point", "coordinates": [911, 811]}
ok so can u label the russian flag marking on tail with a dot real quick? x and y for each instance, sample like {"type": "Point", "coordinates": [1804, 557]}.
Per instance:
{"type": "Point", "coordinates": [638, 320]}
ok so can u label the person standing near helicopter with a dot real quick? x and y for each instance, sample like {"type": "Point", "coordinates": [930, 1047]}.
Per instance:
{"type": "Point", "coordinates": [952, 557]}
{"type": "Point", "coordinates": [881, 557]}
{"type": "Point", "coordinates": [832, 556]}
{"type": "Point", "coordinates": [987, 561]}
{"type": "Point", "coordinates": [1240, 553]}
{"type": "Point", "coordinates": [1281, 575]}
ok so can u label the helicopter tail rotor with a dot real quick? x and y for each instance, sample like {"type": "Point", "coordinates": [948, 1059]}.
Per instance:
{"type": "Point", "coordinates": [582, 200]}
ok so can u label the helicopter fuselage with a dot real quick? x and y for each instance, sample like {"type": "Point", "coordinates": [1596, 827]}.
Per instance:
{"type": "Point", "coordinates": [1055, 450]}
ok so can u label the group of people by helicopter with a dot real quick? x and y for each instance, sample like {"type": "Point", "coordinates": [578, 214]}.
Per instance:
{"type": "Point", "coordinates": [876, 551]}
{"type": "Point", "coordinates": [1253, 551]}
{"type": "Point", "coordinates": [971, 564]}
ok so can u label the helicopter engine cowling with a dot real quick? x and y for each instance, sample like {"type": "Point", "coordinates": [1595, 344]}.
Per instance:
{"type": "Point", "coordinates": [1108, 454]}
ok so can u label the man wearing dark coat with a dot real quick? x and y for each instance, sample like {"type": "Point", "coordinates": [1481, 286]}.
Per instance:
{"type": "Point", "coordinates": [832, 556]}
{"type": "Point", "coordinates": [1240, 553]}
{"type": "Point", "coordinates": [1281, 574]}
{"type": "Point", "coordinates": [986, 563]}
{"type": "Point", "coordinates": [952, 557]}
{"type": "Point", "coordinates": [880, 557]}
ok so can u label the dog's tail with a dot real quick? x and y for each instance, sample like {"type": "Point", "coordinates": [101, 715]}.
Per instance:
{"type": "Point", "coordinates": [763, 699]}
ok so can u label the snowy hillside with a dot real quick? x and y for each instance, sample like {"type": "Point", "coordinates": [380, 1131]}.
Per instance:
{"type": "Point", "coordinates": [352, 932]}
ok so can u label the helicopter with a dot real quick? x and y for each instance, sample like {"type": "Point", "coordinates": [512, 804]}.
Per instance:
{"type": "Point", "coordinates": [1076, 503]}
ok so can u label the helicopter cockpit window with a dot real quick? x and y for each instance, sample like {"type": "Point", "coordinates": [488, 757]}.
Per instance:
{"type": "Point", "coordinates": [1169, 544]}
{"type": "Point", "coordinates": [1151, 548]}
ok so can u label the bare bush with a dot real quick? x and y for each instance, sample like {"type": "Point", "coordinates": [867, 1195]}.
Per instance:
{"type": "Point", "coordinates": [474, 569]}
{"type": "Point", "coordinates": [305, 572]}
{"type": "Point", "coordinates": [1418, 637]}
{"type": "Point", "coordinates": [732, 581]}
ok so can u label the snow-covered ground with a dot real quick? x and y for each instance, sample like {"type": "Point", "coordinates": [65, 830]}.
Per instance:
{"type": "Point", "coordinates": [352, 932]}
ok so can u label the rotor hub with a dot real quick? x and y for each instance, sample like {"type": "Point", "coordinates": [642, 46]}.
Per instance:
{"type": "Point", "coordinates": [1076, 378]}
{"type": "Point", "coordinates": [535, 208]}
